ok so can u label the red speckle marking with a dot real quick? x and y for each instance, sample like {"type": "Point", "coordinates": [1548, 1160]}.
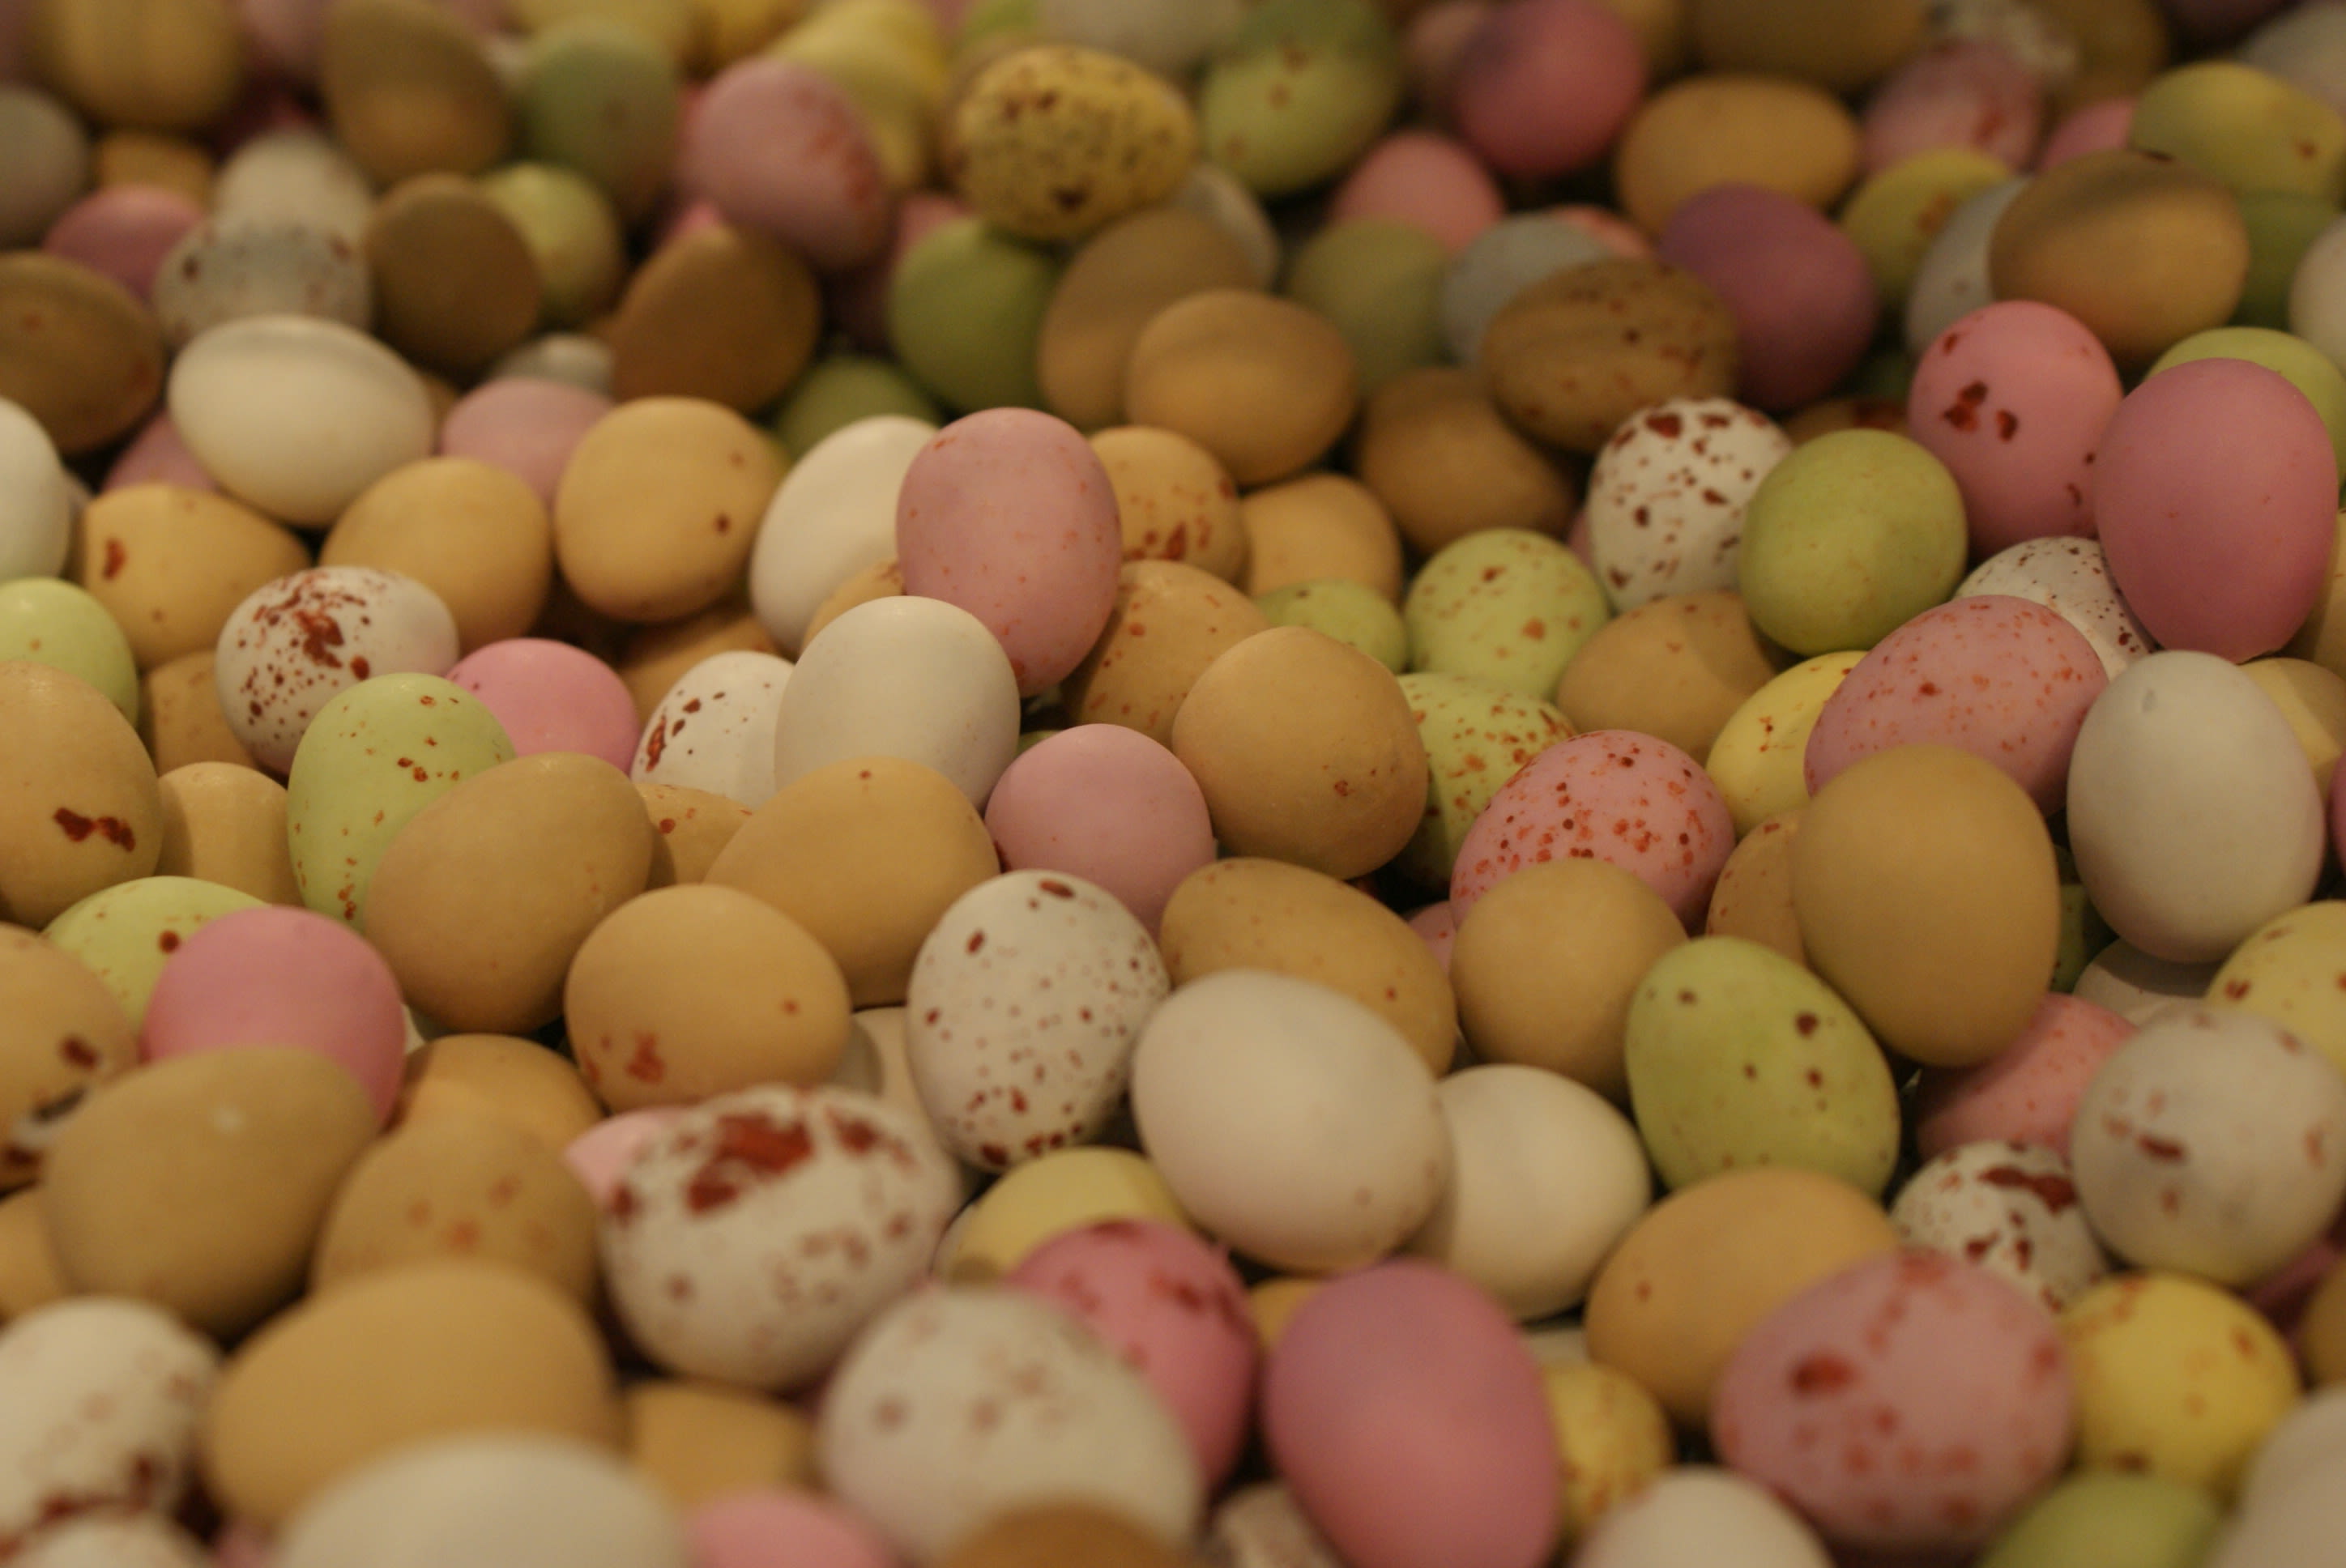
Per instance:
{"type": "Point", "coordinates": [2054, 1191]}
{"type": "Point", "coordinates": [78, 1051]}
{"type": "Point", "coordinates": [115, 557]}
{"type": "Point", "coordinates": [1822, 1373]}
{"type": "Point", "coordinates": [751, 1146]}
{"type": "Point", "coordinates": [113, 830]}
{"type": "Point", "coordinates": [645, 1066]}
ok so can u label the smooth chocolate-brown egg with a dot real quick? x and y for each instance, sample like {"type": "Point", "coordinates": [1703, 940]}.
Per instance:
{"type": "Point", "coordinates": [455, 282]}
{"type": "Point", "coordinates": [1840, 45]}
{"type": "Point", "coordinates": [409, 90]}
{"type": "Point", "coordinates": [1571, 356]}
{"type": "Point", "coordinates": [78, 351]}
{"type": "Point", "coordinates": [722, 313]}
{"type": "Point", "coordinates": [152, 64]}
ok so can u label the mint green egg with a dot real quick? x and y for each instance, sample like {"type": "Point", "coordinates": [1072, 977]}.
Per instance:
{"type": "Point", "coordinates": [127, 932]}
{"type": "Point", "coordinates": [2247, 128]}
{"type": "Point", "coordinates": [1737, 1056]}
{"type": "Point", "coordinates": [602, 98]}
{"type": "Point", "coordinates": [1848, 538]}
{"type": "Point", "coordinates": [2281, 225]}
{"type": "Point", "coordinates": [1299, 91]}
{"type": "Point", "coordinates": [53, 621]}
{"type": "Point", "coordinates": [2110, 1519]}
{"type": "Point", "coordinates": [1352, 613]}
{"type": "Point", "coordinates": [572, 235]}
{"type": "Point", "coordinates": [965, 310]}
{"type": "Point", "coordinates": [835, 393]}
{"type": "Point", "coordinates": [1476, 736]}
{"type": "Point", "coordinates": [1507, 604]}
{"type": "Point", "coordinates": [1379, 280]}
{"type": "Point", "coordinates": [376, 755]}
{"type": "Point", "coordinates": [2302, 365]}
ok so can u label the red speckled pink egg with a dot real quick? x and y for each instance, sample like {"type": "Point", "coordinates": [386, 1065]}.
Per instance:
{"type": "Point", "coordinates": [552, 697]}
{"type": "Point", "coordinates": [780, 1527]}
{"type": "Point", "coordinates": [1803, 299]}
{"type": "Point", "coordinates": [1437, 926]}
{"type": "Point", "coordinates": [1542, 88]}
{"type": "Point", "coordinates": [2071, 577]}
{"type": "Point", "coordinates": [1107, 804]}
{"type": "Point", "coordinates": [524, 425]}
{"type": "Point", "coordinates": [2004, 679]}
{"type": "Point", "coordinates": [2216, 496]}
{"type": "Point", "coordinates": [1010, 514]}
{"type": "Point", "coordinates": [2028, 1091]}
{"type": "Point", "coordinates": [1962, 92]}
{"type": "Point", "coordinates": [778, 147]}
{"type": "Point", "coordinates": [1910, 1402]}
{"type": "Point", "coordinates": [1424, 178]}
{"type": "Point", "coordinates": [1610, 795]}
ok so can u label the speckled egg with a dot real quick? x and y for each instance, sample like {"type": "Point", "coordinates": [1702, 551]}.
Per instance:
{"type": "Point", "coordinates": [66, 1033]}
{"type": "Point", "coordinates": [2071, 577]}
{"type": "Point", "coordinates": [1052, 142]}
{"type": "Point", "coordinates": [1665, 509]}
{"type": "Point", "coordinates": [714, 730]}
{"type": "Point", "coordinates": [1298, 90]}
{"type": "Point", "coordinates": [2027, 1093]}
{"type": "Point", "coordinates": [2288, 972]}
{"type": "Point", "coordinates": [124, 934]}
{"type": "Point", "coordinates": [1759, 757]}
{"type": "Point", "coordinates": [81, 810]}
{"type": "Point", "coordinates": [2009, 1209]}
{"type": "Point", "coordinates": [1476, 735]}
{"type": "Point", "coordinates": [252, 265]}
{"type": "Point", "coordinates": [1505, 605]}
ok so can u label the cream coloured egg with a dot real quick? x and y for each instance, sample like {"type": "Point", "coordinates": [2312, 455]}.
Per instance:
{"type": "Point", "coordinates": [714, 730]}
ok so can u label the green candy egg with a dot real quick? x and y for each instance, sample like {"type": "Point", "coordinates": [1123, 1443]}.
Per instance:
{"type": "Point", "coordinates": [53, 621]}
{"type": "Point", "coordinates": [2299, 362]}
{"type": "Point", "coordinates": [1895, 215]}
{"type": "Point", "coordinates": [126, 932]}
{"type": "Point", "coordinates": [1507, 604]}
{"type": "Point", "coordinates": [835, 393]}
{"type": "Point", "coordinates": [376, 755]}
{"type": "Point", "coordinates": [1352, 613]}
{"type": "Point", "coordinates": [572, 233]}
{"type": "Point", "coordinates": [965, 310]}
{"type": "Point", "coordinates": [1848, 539]}
{"type": "Point", "coordinates": [1476, 736]}
{"type": "Point", "coordinates": [2247, 127]}
{"type": "Point", "coordinates": [1737, 1056]}
{"type": "Point", "coordinates": [2109, 1519]}
{"type": "Point", "coordinates": [2281, 224]}
{"type": "Point", "coordinates": [1299, 91]}
{"type": "Point", "coordinates": [1380, 281]}
{"type": "Point", "coordinates": [602, 98]}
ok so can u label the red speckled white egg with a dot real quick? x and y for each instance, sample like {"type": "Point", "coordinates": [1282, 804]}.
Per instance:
{"type": "Point", "coordinates": [2071, 578]}
{"type": "Point", "coordinates": [1665, 509]}
{"type": "Point", "coordinates": [714, 730]}
{"type": "Point", "coordinates": [2011, 1209]}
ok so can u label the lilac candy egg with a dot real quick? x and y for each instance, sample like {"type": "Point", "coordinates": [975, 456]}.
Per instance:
{"type": "Point", "coordinates": [123, 232]}
{"type": "Point", "coordinates": [779, 147]}
{"type": "Point", "coordinates": [2028, 1091]}
{"type": "Point", "coordinates": [2071, 577]}
{"type": "Point", "coordinates": [1542, 88]}
{"type": "Point", "coordinates": [1804, 301]}
{"type": "Point", "coordinates": [552, 697]}
{"type": "Point", "coordinates": [2008, 681]}
{"type": "Point", "coordinates": [781, 1527]}
{"type": "Point", "coordinates": [1962, 92]}
{"type": "Point", "coordinates": [1010, 514]}
{"type": "Point", "coordinates": [1106, 804]}
{"type": "Point", "coordinates": [523, 424]}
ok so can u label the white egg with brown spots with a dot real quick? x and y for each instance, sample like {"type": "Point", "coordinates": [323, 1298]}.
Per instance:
{"type": "Point", "coordinates": [1666, 498]}
{"type": "Point", "coordinates": [714, 730]}
{"type": "Point", "coordinates": [2071, 577]}
{"type": "Point", "coordinates": [2010, 1208]}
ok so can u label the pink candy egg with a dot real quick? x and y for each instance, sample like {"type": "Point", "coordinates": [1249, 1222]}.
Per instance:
{"type": "Point", "coordinates": [1409, 1420]}
{"type": "Point", "coordinates": [2028, 1091]}
{"type": "Point", "coordinates": [1437, 926]}
{"type": "Point", "coordinates": [282, 976]}
{"type": "Point", "coordinates": [1963, 92]}
{"type": "Point", "coordinates": [552, 697]}
{"type": "Point", "coordinates": [2216, 496]}
{"type": "Point", "coordinates": [1543, 87]}
{"type": "Point", "coordinates": [1803, 299]}
{"type": "Point", "coordinates": [776, 1527]}
{"type": "Point", "coordinates": [2097, 128]}
{"type": "Point", "coordinates": [524, 425]}
{"type": "Point", "coordinates": [1910, 1402]}
{"type": "Point", "coordinates": [1611, 795]}
{"type": "Point", "coordinates": [602, 1155]}
{"type": "Point", "coordinates": [1106, 804]}
{"type": "Point", "coordinates": [1010, 514]}
{"type": "Point", "coordinates": [780, 147]}
{"type": "Point", "coordinates": [123, 232]}
{"type": "Point", "coordinates": [156, 455]}
{"type": "Point", "coordinates": [1424, 178]}
{"type": "Point", "coordinates": [1175, 1309]}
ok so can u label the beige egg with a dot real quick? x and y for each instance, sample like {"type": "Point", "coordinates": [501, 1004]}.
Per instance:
{"type": "Point", "coordinates": [1036, 1534]}
{"type": "Point", "coordinates": [866, 854]}
{"type": "Point", "coordinates": [180, 719]}
{"type": "Point", "coordinates": [518, 1082]}
{"type": "Point", "coordinates": [1928, 897]}
{"type": "Point", "coordinates": [1840, 45]}
{"type": "Point", "coordinates": [1169, 623]}
{"type": "Point", "coordinates": [62, 1033]}
{"type": "Point", "coordinates": [153, 157]}
{"type": "Point", "coordinates": [471, 532]}
{"type": "Point", "coordinates": [880, 580]}
{"type": "Point", "coordinates": [430, 1351]}
{"type": "Point", "coordinates": [698, 1441]}
{"type": "Point", "coordinates": [655, 656]}
{"type": "Point", "coordinates": [1753, 896]}
{"type": "Point", "coordinates": [1175, 501]}
{"type": "Point", "coordinates": [660, 505]}
{"type": "Point", "coordinates": [1571, 356]}
{"type": "Point", "coordinates": [2313, 700]}
{"type": "Point", "coordinates": [480, 900]}
{"type": "Point", "coordinates": [693, 826]}
{"type": "Point", "coordinates": [29, 1276]}
{"type": "Point", "coordinates": [199, 1183]}
{"type": "Point", "coordinates": [460, 1184]}
{"type": "Point", "coordinates": [455, 282]}
{"type": "Point", "coordinates": [1321, 526]}
{"type": "Point", "coordinates": [1263, 384]}
{"type": "Point", "coordinates": [696, 989]}
{"type": "Point", "coordinates": [79, 810]}
{"type": "Point", "coordinates": [78, 351]}
{"type": "Point", "coordinates": [1435, 450]}
{"type": "Point", "coordinates": [1545, 977]}
{"type": "Point", "coordinates": [722, 313]}
{"type": "Point", "coordinates": [1306, 752]}
{"type": "Point", "coordinates": [155, 65]}
{"type": "Point", "coordinates": [170, 564]}
{"type": "Point", "coordinates": [1676, 666]}
{"type": "Point", "coordinates": [410, 90]}
{"type": "Point", "coordinates": [1248, 913]}
{"type": "Point", "coordinates": [1119, 279]}
{"type": "Point", "coordinates": [1705, 1265]}
{"type": "Point", "coordinates": [1716, 129]}
{"type": "Point", "coordinates": [226, 824]}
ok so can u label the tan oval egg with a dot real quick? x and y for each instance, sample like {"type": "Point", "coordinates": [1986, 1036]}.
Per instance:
{"type": "Point", "coordinates": [170, 564]}
{"type": "Point", "coordinates": [480, 900]}
{"type": "Point", "coordinates": [1175, 501]}
{"type": "Point", "coordinates": [473, 533]}
{"type": "Point", "coordinates": [1113, 285]}
{"type": "Point", "coordinates": [155, 65]}
{"type": "Point", "coordinates": [1700, 1269]}
{"type": "Point", "coordinates": [78, 351]}
{"type": "Point", "coordinates": [1306, 752]}
{"type": "Point", "coordinates": [1169, 623]}
{"type": "Point", "coordinates": [519, 1082]}
{"type": "Point", "coordinates": [1716, 127]}
{"type": "Point", "coordinates": [1676, 666]}
{"type": "Point", "coordinates": [430, 1351]}
{"type": "Point", "coordinates": [180, 719]}
{"type": "Point", "coordinates": [696, 989]}
{"type": "Point", "coordinates": [693, 826]}
{"type": "Point", "coordinates": [79, 810]}
{"type": "Point", "coordinates": [1246, 913]}
{"type": "Point", "coordinates": [455, 282]}
{"type": "Point", "coordinates": [153, 157]}
{"type": "Point", "coordinates": [1544, 976]}
{"type": "Point", "coordinates": [1571, 356]}
{"type": "Point", "coordinates": [409, 90]}
{"type": "Point", "coordinates": [660, 505]}
{"type": "Point", "coordinates": [880, 580]}
{"type": "Point", "coordinates": [2141, 248]}
{"type": "Point", "coordinates": [1048, 143]}
{"type": "Point", "coordinates": [1435, 450]}
{"type": "Point", "coordinates": [1317, 527]}
{"type": "Point", "coordinates": [1753, 896]}
{"type": "Point", "coordinates": [226, 824]}
{"type": "Point", "coordinates": [2313, 700]}
{"type": "Point", "coordinates": [698, 1441]}
{"type": "Point", "coordinates": [1840, 45]}
{"type": "Point", "coordinates": [1929, 899]}
{"type": "Point", "coordinates": [866, 854]}
{"type": "Point", "coordinates": [28, 1264]}
{"type": "Point", "coordinates": [199, 1183]}
{"type": "Point", "coordinates": [460, 1184]}
{"type": "Point", "coordinates": [1045, 1535]}
{"type": "Point", "coordinates": [1263, 384]}
{"type": "Point", "coordinates": [62, 1033]}
{"type": "Point", "coordinates": [654, 657]}
{"type": "Point", "coordinates": [1057, 1192]}
{"type": "Point", "coordinates": [722, 313]}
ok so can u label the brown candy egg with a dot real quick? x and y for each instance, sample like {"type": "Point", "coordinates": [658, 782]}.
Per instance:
{"type": "Point", "coordinates": [1571, 356]}
{"type": "Point", "coordinates": [1718, 127]}
{"type": "Point", "coordinates": [170, 564]}
{"type": "Point", "coordinates": [1174, 501]}
{"type": "Point", "coordinates": [1171, 621]}
{"type": "Point", "coordinates": [180, 719]}
{"type": "Point", "coordinates": [455, 282]}
{"type": "Point", "coordinates": [693, 826]}
{"type": "Point", "coordinates": [697, 1442]}
{"type": "Point", "coordinates": [409, 90]}
{"type": "Point", "coordinates": [1753, 896]}
{"type": "Point", "coordinates": [226, 824]}
{"type": "Point", "coordinates": [79, 810]}
{"type": "Point", "coordinates": [28, 1264]}
{"type": "Point", "coordinates": [1265, 384]}
{"type": "Point", "coordinates": [154, 65]}
{"type": "Point", "coordinates": [78, 351]}
{"type": "Point", "coordinates": [471, 532]}
{"type": "Point", "coordinates": [517, 1080]}
{"type": "Point", "coordinates": [1320, 526]}
{"type": "Point", "coordinates": [1436, 450]}
{"type": "Point", "coordinates": [1052, 1535]}
{"type": "Point", "coordinates": [1676, 666]}
{"type": "Point", "coordinates": [722, 313]}
{"type": "Point", "coordinates": [62, 1033]}
{"type": "Point", "coordinates": [1113, 286]}
{"type": "Point", "coordinates": [1840, 45]}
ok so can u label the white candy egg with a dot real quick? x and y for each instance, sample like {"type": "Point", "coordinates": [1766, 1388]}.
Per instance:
{"type": "Point", "coordinates": [714, 730]}
{"type": "Point", "coordinates": [299, 177]}
{"type": "Point", "coordinates": [2010, 1208]}
{"type": "Point", "coordinates": [2070, 577]}
{"type": "Point", "coordinates": [1695, 1514]}
{"type": "Point", "coordinates": [36, 508]}
{"type": "Point", "coordinates": [250, 265]}
{"type": "Point", "coordinates": [2307, 1448]}
{"type": "Point", "coordinates": [131, 1541]}
{"type": "Point", "coordinates": [2138, 987]}
{"type": "Point", "coordinates": [963, 1402]}
{"type": "Point", "coordinates": [1666, 496]}
{"type": "Point", "coordinates": [834, 514]}
{"type": "Point", "coordinates": [1289, 1120]}
{"type": "Point", "coordinates": [755, 1233]}
{"type": "Point", "coordinates": [1023, 1008]}
{"type": "Point", "coordinates": [1950, 281]}
{"type": "Point", "coordinates": [1262, 1526]}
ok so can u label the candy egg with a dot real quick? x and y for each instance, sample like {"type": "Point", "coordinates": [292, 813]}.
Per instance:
{"type": "Point", "coordinates": [124, 934]}
{"type": "Point", "coordinates": [551, 696]}
{"type": "Point", "coordinates": [131, 1541]}
{"type": "Point", "coordinates": [1110, 806]}
{"type": "Point", "coordinates": [35, 529]}
{"type": "Point", "coordinates": [1666, 496]}
{"type": "Point", "coordinates": [2009, 1209]}
{"type": "Point", "coordinates": [2071, 577]}
{"type": "Point", "coordinates": [780, 147]}
{"type": "Point", "coordinates": [2028, 1091]}
{"type": "Point", "coordinates": [475, 533]}
{"type": "Point", "coordinates": [714, 729]}
{"type": "Point", "coordinates": [248, 264]}
{"type": "Point", "coordinates": [834, 514]}
{"type": "Point", "coordinates": [2153, 1518]}
{"type": "Point", "coordinates": [1759, 757]}
{"type": "Point", "coordinates": [1050, 143]}
{"type": "Point", "coordinates": [53, 621]}
{"type": "Point", "coordinates": [1694, 1512]}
